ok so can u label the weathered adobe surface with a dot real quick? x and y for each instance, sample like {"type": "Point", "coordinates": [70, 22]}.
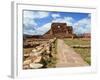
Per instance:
{"type": "Point", "coordinates": [59, 30]}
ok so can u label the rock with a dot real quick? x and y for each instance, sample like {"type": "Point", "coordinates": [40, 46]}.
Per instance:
{"type": "Point", "coordinates": [39, 53]}
{"type": "Point", "coordinates": [33, 58]}
{"type": "Point", "coordinates": [47, 48]}
{"type": "Point", "coordinates": [25, 66]}
{"type": "Point", "coordinates": [34, 50]}
{"type": "Point", "coordinates": [39, 48]}
{"type": "Point", "coordinates": [36, 60]}
{"type": "Point", "coordinates": [32, 54]}
{"type": "Point", "coordinates": [26, 55]}
{"type": "Point", "coordinates": [27, 62]}
{"type": "Point", "coordinates": [35, 65]}
{"type": "Point", "coordinates": [48, 52]}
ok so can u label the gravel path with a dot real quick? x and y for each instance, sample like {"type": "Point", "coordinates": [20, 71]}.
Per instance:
{"type": "Point", "coordinates": [67, 57]}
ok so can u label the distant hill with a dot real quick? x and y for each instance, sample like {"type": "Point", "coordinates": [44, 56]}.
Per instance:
{"type": "Point", "coordinates": [25, 36]}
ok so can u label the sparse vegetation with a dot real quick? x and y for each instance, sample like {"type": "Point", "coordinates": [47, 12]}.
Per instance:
{"type": "Point", "coordinates": [69, 41]}
{"type": "Point", "coordinates": [84, 52]}
{"type": "Point", "coordinates": [53, 60]}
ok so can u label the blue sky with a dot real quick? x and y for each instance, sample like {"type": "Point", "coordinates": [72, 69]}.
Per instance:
{"type": "Point", "coordinates": [39, 22]}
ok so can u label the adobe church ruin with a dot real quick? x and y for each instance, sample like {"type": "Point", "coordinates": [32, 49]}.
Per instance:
{"type": "Point", "coordinates": [59, 30]}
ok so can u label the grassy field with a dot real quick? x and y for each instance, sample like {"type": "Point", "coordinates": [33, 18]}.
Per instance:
{"type": "Point", "coordinates": [77, 41]}
{"type": "Point", "coordinates": [84, 52]}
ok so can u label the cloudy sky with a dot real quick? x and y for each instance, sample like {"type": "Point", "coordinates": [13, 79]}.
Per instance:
{"type": "Point", "coordinates": [39, 22]}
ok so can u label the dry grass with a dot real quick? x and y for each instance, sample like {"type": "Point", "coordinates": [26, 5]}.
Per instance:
{"type": "Point", "coordinates": [84, 52]}
{"type": "Point", "coordinates": [77, 41]}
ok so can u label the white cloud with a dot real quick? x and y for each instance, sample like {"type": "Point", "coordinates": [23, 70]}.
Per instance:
{"type": "Point", "coordinates": [29, 22]}
{"type": "Point", "coordinates": [40, 30]}
{"type": "Point", "coordinates": [35, 14]}
{"type": "Point", "coordinates": [82, 26]}
{"type": "Point", "coordinates": [55, 15]}
{"type": "Point", "coordinates": [29, 32]}
{"type": "Point", "coordinates": [41, 14]}
{"type": "Point", "coordinates": [68, 20]}
{"type": "Point", "coordinates": [30, 26]}
{"type": "Point", "coordinates": [27, 14]}
{"type": "Point", "coordinates": [60, 20]}
{"type": "Point", "coordinates": [43, 29]}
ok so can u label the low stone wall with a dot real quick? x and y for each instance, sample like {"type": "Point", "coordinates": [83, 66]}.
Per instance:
{"type": "Point", "coordinates": [40, 55]}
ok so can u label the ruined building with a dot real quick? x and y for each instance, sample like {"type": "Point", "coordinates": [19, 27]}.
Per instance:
{"type": "Point", "coordinates": [59, 30]}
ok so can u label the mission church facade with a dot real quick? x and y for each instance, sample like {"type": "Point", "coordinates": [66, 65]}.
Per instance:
{"type": "Point", "coordinates": [59, 30]}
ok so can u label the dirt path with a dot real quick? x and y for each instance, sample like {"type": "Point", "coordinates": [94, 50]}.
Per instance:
{"type": "Point", "coordinates": [67, 57]}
